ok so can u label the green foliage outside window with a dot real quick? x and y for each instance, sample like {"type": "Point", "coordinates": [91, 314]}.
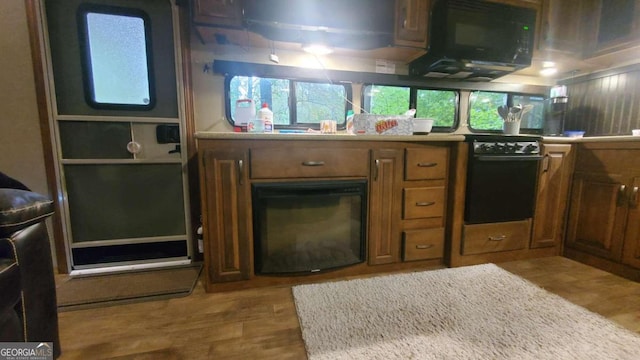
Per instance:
{"type": "Point", "coordinates": [483, 110]}
{"type": "Point", "coordinates": [395, 100]}
{"type": "Point", "coordinates": [439, 105]}
{"type": "Point", "coordinates": [276, 95]}
{"type": "Point", "coordinates": [314, 101]}
{"type": "Point", "coordinates": [386, 100]}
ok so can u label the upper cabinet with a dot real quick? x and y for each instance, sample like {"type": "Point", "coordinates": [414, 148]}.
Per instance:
{"type": "Point", "coordinates": [613, 25]}
{"type": "Point", "coordinates": [412, 17]}
{"type": "Point", "coordinates": [224, 13]}
{"type": "Point", "coordinates": [367, 26]}
{"type": "Point", "coordinates": [561, 24]}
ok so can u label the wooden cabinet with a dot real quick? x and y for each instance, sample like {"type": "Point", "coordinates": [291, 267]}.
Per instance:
{"type": "Point", "coordinates": [423, 202]}
{"type": "Point", "coordinates": [424, 197]}
{"type": "Point", "coordinates": [552, 196]}
{"type": "Point", "coordinates": [598, 211]}
{"type": "Point", "coordinates": [611, 25]}
{"type": "Point", "coordinates": [495, 237]}
{"type": "Point", "coordinates": [224, 13]}
{"type": "Point", "coordinates": [411, 23]}
{"type": "Point", "coordinates": [226, 213]}
{"type": "Point", "coordinates": [423, 244]}
{"type": "Point", "coordinates": [385, 203]}
{"type": "Point", "coordinates": [312, 162]}
{"type": "Point", "coordinates": [404, 221]}
{"type": "Point", "coordinates": [631, 250]}
{"type": "Point", "coordinates": [604, 222]}
{"type": "Point", "coordinates": [407, 202]}
{"type": "Point", "coordinates": [561, 24]}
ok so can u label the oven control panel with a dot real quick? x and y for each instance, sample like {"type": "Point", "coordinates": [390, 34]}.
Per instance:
{"type": "Point", "coordinates": [506, 147]}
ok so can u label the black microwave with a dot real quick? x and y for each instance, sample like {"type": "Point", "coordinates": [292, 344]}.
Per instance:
{"type": "Point", "coordinates": [473, 33]}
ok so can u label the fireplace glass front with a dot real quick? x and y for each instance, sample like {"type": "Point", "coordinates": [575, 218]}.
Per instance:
{"type": "Point", "coordinates": [303, 227]}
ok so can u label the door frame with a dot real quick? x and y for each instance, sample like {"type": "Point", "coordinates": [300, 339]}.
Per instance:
{"type": "Point", "coordinates": [36, 26]}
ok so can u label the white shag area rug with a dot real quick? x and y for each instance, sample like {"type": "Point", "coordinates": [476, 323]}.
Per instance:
{"type": "Point", "coordinates": [473, 312]}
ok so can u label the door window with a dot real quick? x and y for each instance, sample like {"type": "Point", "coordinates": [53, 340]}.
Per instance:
{"type": "Point", "coordinates": [116, 57]}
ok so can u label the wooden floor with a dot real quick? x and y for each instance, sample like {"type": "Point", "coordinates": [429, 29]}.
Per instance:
{"type": "Point", "coordinates": [262, 323]}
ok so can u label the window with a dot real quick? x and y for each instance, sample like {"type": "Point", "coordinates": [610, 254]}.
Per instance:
{"type": "Point", "coordinates": [483, 111]}
{"type": "Point", "coordinates": [386, 100]}
{"type": "Point", "coordinates": [294, 103]}
{"type": "Point", "coordinates": [437, 104]}
{"type": "Point", "coordinates": [429, 103]}
{"type": "Point", "coordinates": [116, 60]}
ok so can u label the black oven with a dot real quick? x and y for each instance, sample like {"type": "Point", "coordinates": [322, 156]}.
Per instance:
{"type": "Point", "coordinates": [501, 178]}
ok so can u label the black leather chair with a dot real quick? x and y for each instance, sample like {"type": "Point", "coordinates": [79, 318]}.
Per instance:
{"type": "Point", "coordinates": [28, 308]}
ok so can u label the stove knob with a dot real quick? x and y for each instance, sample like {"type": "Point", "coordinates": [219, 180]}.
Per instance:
{"type": "Point", "coordinates": [529, 148]}
{"type": "Point", "coordinates": [483, 148]}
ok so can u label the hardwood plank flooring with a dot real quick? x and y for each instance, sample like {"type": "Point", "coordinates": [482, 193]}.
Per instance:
{"type": "Point", "coordinates": [262, 323]}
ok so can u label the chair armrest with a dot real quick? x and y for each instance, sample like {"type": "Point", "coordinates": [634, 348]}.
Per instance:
{"type": "Point", "coordinates": [20, 209]}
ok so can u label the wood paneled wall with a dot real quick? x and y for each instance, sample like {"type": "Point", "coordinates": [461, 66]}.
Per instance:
{"type": "Point", "coordinates": [608, 104]}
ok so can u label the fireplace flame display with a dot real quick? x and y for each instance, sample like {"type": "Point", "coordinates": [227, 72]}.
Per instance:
{"type": "Point", "coordinates": [308, 226]}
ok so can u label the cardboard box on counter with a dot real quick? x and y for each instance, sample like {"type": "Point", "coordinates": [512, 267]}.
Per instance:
{"type": "Point", "coordinates": [367, 124]}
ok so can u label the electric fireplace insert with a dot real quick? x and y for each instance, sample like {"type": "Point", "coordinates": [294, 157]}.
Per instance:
{"type": "Point", "coordinates": [307, 227]}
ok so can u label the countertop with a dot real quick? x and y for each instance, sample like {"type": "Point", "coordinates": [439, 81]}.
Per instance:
{"type": "Point", "coordinates": [588, 139]}
{"type": "Point", "coordinates": [453, 137]}
{"type": "Point", "coordinates": [317, 136]}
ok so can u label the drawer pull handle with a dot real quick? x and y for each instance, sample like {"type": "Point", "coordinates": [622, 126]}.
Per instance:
{"type": "Point", "coordinates": [545, 163]}
{"type": "Point", "coordinates": [377, 170]}
{"type": "Point", "coordinates": [240, 171]}
{"type": "Point", "coordinates": [497, 238]}
{"type": "Point", "coordinates": [423, 247]}
{"type": "Point", "coordinates": [431, 164]}
{"type": "Point", "coordinates": [313, 163]}
{"type": "Point", "coordinates": [427, 203]}
{"type": "Point", "coordinates": [622, 191]}
{"type": "Point", "coordinates": [633, 200]}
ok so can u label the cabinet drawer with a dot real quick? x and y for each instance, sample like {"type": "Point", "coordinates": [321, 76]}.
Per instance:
{"type": "Point", "coordinates": [423, 244]}
{"type": "Point", "coordinates": [423, 202]}
{"type": "Point", "coordinates": [426, 163]}
{"type": "Point", "coordinates": [310, 162]}
{"type": "Point", "coordinates": [494, 237]}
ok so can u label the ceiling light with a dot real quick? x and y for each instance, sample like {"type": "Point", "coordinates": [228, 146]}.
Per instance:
{"type": "Point", "coordinates": [317, 49]}
{"type": "Point", "coordinates": [548, 64]}
{"type": "Point", "coordinates": [548, 71]}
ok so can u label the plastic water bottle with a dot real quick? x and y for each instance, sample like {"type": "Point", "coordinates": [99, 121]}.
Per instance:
{"type": "Point", "coordinates": [267, 116]}
{"type": "Point", "coordinates": [349, 125]}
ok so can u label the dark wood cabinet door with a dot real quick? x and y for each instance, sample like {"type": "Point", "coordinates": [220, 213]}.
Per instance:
{"type": "Point", "coordinates": [224, 13]}
{"type": "Point", "coordinates": [226, 215]}
{"type": "Point", "coordinates": [552, 196]}
{"type": "Point", "coordinates": [385, 206]}
{"type": "Point", "coordinates": [631, 253]}
{"type": "Point", "coordinates": [561, 24]}
{"type": "Point", "coordinates": [597, 215]}
{"type": "Point", "coordinates": [411, 27]}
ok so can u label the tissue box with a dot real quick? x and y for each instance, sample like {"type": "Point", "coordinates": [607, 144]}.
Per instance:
{"type": "Point", "coordinates": [367, 124]}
